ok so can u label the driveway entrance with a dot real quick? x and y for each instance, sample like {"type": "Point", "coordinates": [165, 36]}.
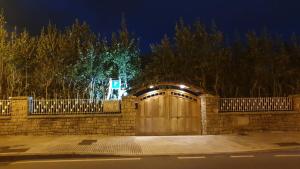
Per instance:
{"type": "Point", "coordinates": [168, 112]}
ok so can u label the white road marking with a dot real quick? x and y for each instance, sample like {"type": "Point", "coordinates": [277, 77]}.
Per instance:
{"type": "Point", "coordinates": [287, 155]}
{"type": "Point", "coordinates": [191, 157]}
{"type": "Point", "coordinates": [242, 156]}
{"type": "Point", "coordinates": [77, 160]}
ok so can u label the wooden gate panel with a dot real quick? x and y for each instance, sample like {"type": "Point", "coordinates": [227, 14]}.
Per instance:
{"type": "Point", "coordinates": [148, 126]}
{"type": "Point", "coordinates": [195, 124]}
{"type": "Point", "coordinates": [173, 125]}
{"type": "Point", "coordinates": [162, 106]}
{"type": "Point", "coordinates": [188, 124]}
{"type": "Point", "coordinates": [181, 121]}
{"type": "Point", "coordinates": [174, 107]}
{"type": "Point", "coordinates": [168, 112]}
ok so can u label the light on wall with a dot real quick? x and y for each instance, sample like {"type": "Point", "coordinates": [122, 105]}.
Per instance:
{"type": "Point", "coordinates": [183, 86]}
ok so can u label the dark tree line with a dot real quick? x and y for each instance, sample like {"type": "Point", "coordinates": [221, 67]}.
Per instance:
{"type": "Point", "coordinates": [77, 63]}
{"type": "Point", "coordinates": [257, 65]}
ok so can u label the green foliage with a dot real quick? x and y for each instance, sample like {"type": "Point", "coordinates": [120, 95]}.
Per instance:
{"type": "Point", "coordinates": [77, 63]}
{"type": "Point", "coordinates": [71, 63]}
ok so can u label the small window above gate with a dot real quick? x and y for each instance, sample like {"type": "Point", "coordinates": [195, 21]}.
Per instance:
{"type": "Point", "coordinates": [183, 95]}
{"type": "Point", "coordinates": [152, 95]}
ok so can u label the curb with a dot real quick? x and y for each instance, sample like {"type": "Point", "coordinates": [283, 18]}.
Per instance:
{"type": "Point", "coordinates": [37, 156]}
{"type": "Point", "coordinates": [20, 157]}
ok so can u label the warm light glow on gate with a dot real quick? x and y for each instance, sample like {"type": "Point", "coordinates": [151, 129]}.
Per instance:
{"type": "Point", "coordinates": [183, 86]}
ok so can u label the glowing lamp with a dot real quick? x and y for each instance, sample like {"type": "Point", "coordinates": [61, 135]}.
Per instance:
{"type": "Point", "coordinates": [183, 86]}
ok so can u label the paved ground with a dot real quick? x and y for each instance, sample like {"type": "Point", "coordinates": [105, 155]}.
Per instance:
{"type": "Point", "coordinates": [145, 145]}
{"type": "Point", "coordinates": [262, 160]}
{"type": "Point", "coordinates": [281, 150]}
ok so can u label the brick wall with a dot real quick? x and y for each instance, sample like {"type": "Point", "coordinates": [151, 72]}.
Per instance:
{"type": "Point", "coordinates": [232, 122]}
{"type": "Point", "coordinates": [21, 124]}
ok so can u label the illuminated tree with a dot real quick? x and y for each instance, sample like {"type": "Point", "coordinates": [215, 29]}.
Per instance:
{"type": "Point", "coordinates": [79, 44]}
{"type": "Point", "coordinates": [121, 57]}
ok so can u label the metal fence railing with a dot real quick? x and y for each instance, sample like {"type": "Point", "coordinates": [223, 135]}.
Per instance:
{"type": "Point", "coordinates": [255, 104]}
{"type": "Point", "coordinates": [65, 107]}
{"type": "Point", "coordinates": [5, 107]}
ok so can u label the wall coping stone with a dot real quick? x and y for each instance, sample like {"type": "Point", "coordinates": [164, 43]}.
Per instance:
{"type": "Point", "coordinates": [209, 95]}
{"type": "Point", "coordinates": [294, 95]}
{"type": "Point", "coordinates": [5, 117]}
{"type": "Point", "coordinates": [19, 98]}
{"type": "Point", "coordinates": [129, 97]}
{"type": "Point", "coordinates": [259, 113]}
{"type": "Point", "coordinates": [73, 116]}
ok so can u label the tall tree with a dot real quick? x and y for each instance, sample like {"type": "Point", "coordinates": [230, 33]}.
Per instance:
{"type": "Point", "coordinates": [3, 55]}
{"type": "Point", "coordinates": [48, 60]}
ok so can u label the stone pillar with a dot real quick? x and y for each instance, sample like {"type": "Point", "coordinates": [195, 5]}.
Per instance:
{"type": "Point", "coordinates": [19, 114]}
{"type": "Point", "coordinates": [209, 113]}
{"type": "Point", "coordinates": [129, 110]}
{"type": "Point", "coordinates": [128, 105]}
{"type": "Point", "coordinates": [296, 102]}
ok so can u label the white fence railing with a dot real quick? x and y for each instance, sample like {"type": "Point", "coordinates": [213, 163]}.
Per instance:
{"type": "Point", "coordinates": [65, 107]}
{"type": "Point", "coordinates": [5, 107]}
{"type": "Point", "coordinates": [255, 104]}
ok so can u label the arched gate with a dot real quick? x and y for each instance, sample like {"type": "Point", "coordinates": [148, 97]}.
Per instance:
{"type": "Point", "coordinates": [168, 112]}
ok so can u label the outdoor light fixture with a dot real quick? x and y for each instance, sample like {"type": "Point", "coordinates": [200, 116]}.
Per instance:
{"type": "Point", "coordinates": [183, 86]}
{"type": "Point", "coordinates": [151, 86]}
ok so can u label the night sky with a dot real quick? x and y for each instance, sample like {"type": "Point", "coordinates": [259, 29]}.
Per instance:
{"type": "Point", "coordinates": [151, 19]}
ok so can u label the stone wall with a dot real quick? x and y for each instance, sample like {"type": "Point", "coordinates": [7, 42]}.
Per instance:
{"type": "Point", "coordinates": [20, 123]}
{"type": "Point", "coordinates": [232, 122]}
{"type": "Point", "coordinates": [212, 121]}
{"type": "Point", "coordinates": [258, 121]}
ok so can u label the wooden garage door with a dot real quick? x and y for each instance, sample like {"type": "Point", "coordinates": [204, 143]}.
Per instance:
{"type": "Point", "coordinates": [168, 112]}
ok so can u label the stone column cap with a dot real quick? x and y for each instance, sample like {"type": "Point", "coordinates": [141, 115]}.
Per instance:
{"type": "Point", "coordinates": [294, 95]}
{"type": "Point", "coordinates": [208, 95]}
{"type": "Point", "coordinates": [19, 98]}
{"type": "Point", "coordinates": [129, 97]}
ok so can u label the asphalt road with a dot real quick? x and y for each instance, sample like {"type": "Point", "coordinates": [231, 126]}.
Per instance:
{"type": "Point", "coordinates": [265, 160]}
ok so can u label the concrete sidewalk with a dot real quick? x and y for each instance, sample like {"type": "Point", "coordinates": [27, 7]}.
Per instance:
{"type": "Point", "coordinates": [145, 145]}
